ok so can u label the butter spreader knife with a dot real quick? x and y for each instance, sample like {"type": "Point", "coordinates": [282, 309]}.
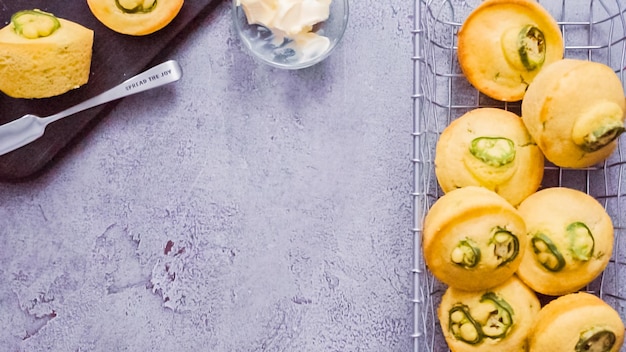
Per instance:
{"type": "Point", "coordinates": [28, 128]}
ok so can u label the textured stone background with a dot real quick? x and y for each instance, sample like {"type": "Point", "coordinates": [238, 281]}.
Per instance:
{"type": "Point", "coordinates": [244, 208]}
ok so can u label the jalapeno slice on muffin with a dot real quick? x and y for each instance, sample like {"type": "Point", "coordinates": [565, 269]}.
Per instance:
{"type": "Point", "coordinates": [135, 17]}
{"type": "Point", "coordinates": [531, 46]}
{"type": "Point", "coordinates": [493, 151]}
{"type": "Point", "coordinates": [581, 241]}
{"type": "Point", "coordinates": [468, 328]}
{"type": "Point", "coordinates": [598, 126]}
{"type": "Point", "coordinates": [525, 47]}
{"type": "Point", "coordinates": [600, 137]}
{"type": "Point", "coordinates": [33, 24]}
{"type": "Point", "coordinates": [465, 254]}
{"type": "Point", "coordinates": [547, 253]}
{"type": "Point", "coordinates": [463, 326]}
{"type": "Point", "coordinates": [136, 6]}
{"type": "Point", "coordinates": [505, 246]}
{"type": "Point", "coordinates": [596, 340]}
{"type": "Point", "coordinates": [577, 322]}
{"type": "Point", "coordinates": [500, 318]}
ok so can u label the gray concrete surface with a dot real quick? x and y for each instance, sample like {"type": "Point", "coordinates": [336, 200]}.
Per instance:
{"type": "Point", "coordinates": [244, 208]}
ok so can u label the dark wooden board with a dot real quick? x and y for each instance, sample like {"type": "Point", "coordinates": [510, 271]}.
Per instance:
{"type": "Point", "coordinates": [116, 57]}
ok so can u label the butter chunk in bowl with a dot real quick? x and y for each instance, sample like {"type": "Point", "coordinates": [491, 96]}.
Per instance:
{"type": "Point", "coordinates": [290, 34]}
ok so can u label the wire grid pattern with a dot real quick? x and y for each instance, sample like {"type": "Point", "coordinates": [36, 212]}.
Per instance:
{"type": "Point", "coordinates": [593, 30]}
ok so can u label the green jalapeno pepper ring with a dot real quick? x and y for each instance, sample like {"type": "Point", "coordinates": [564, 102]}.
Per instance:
{"type": "Point", "coordinates": [493, 151]}
{"type": "Point", "coordinates": [547, 253]}
{"type": "Point", "coordinates": [531, 45]}
{"type": "Point", "coordinates": [602, 136]}
{"type": "Point", "coordinates": [32, 24]}
{"type": "Point", "coordinates": [581, 241]}
{"type": "Point", "coordinates": [506, 246]}
{"type": "Point", "coordinates": [596, 340]}
{"type": "Point", "coordinates": [500, 320]}
{"type": "Point", "coordinates": [465, 254]}
{"type": "Point", "coordinates": [463, 326]}
{"type": "Point", "coordinates": [139, 6]}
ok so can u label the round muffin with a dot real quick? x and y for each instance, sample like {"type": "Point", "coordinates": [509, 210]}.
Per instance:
{"type": "Point", "coordinates": [503, 44]}
{"type": "Point", "coordinates": [489, 147]}
{"type": "Point", "coordinates": [577, 322]}
{"type": "Point", "coordinates": [473, 239]}
{"type": "Point", "coordinates": [495, 320]}
{"type": "Point", "coordinates": [575, 110]}
{"type": "Point", "coordinates": [42, 55]}
{"type": "Point", "coordinates": [135, 17]}
{"type": "Point", "coordinates": [570, 240]}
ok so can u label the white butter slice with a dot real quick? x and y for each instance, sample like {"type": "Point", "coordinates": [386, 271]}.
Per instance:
{"type": "Point", "coordinates": [293, 20]}
{"type": "Point", "coordinates": [260, 12]}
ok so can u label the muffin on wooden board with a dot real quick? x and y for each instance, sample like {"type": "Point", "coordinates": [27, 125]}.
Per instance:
{"type": "Point", "coordinates": [577, 322]}
{"type": "Point", "coordinates": [135, 17]}
{"type": "Point", "coordinates": [503, 44]}
{"type": "Point", "coordinates": [570, 240]}
{"type": "Point", "coordinates": [42, 55]}
{"type": "Point", "coordinates": [489, 147]}
{"type": "Point", "coordinates": [575, 110]}
{"type": "Point", "coordinates": [473, 239]}
{"type": "Point", "coordinates": [494, 320]}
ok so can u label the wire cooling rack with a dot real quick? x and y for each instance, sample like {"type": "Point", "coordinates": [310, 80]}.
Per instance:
{"type": "Point", "coordinates": [593, 30]}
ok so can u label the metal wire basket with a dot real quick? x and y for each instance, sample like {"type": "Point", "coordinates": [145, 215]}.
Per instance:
{"type": "Point", "coordinates": [593, 30]}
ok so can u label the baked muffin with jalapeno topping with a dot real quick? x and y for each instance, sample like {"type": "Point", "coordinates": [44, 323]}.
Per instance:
{"type": "Point", "coordinates": [575, 111]}
{"type": "Point", "coordinates": [494, 320]}
{"type": "Point", "coordinates": [577, 322]}
{"type": "Point", "coordinates": [489, 147]}
{"type": "Point", "coordinates": [503, 44]}
{"type": "Point", "coordinates": [135, 17]}
{"type": "Point", "coordinates": [42, 55]}
{"type": "Point", "coordinates": [473, 239]}
{"type": "Point", "coordinates": [570, 240]}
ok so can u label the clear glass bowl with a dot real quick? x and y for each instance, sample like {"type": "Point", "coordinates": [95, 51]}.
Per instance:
{"type": "Point", "coordinates": [263, 44]}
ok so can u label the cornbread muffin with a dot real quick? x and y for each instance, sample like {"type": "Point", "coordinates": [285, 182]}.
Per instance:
{"type": "Point", "coordinates": [43, 56]}
{"type": "Point", "coordinates": [489, 147]}
{"type": "Point", "coordinates": [135, 17]}
{"type": "Point", "coordinates": [570, 240]}
{"type": "Point", "coordinates": [575, 110]}
{"type": "Point", "coordinates": [494, 320]}
{"type": "Point", "coordinates": [577, 322]}
{"type": "Point", "coordinates": [503, 44]}
{"type": "Point", "coordinates": [473, 239]}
